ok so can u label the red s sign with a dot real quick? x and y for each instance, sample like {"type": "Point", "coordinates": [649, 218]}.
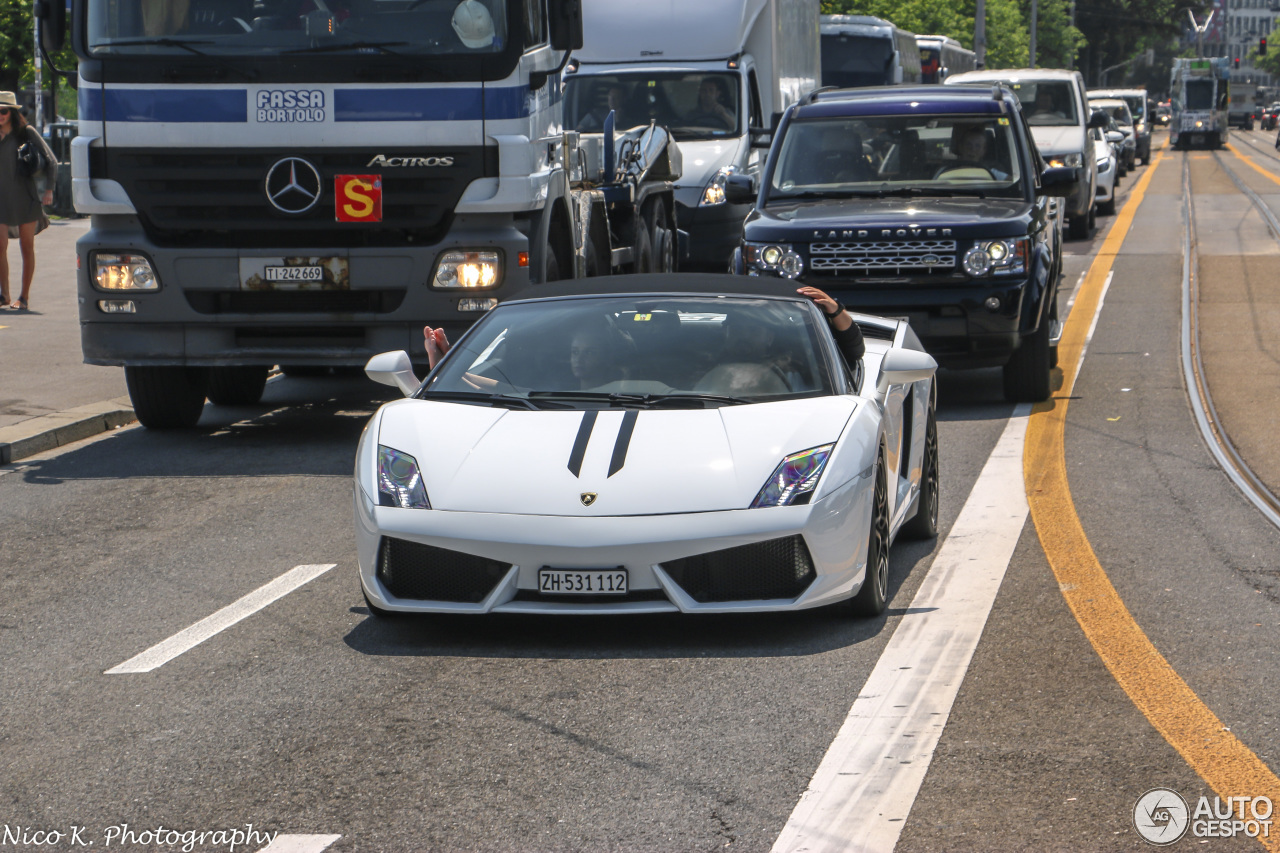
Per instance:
{"type": "Point", "coordinates": [358, 198]}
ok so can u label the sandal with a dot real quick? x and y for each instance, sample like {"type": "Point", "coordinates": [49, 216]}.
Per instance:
{"type": "Point", "coordinates": [19, 305]}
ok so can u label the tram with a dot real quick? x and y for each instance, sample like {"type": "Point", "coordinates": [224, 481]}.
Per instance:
{"type": "Point", "coordinates": [1200, 91]}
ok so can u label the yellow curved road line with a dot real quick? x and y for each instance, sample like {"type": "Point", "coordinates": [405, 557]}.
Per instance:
{"type": "Point", "coordinates": [1226, 764]}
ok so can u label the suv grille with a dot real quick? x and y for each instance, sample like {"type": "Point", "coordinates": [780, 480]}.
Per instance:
{"type": "Point", "coordinates": [217, 197]}
{"type": "Point", "coordinates": [779, 568]}
{"type": "Point", "coordinates": [427, 573]}
{"type": "Point", "coordinates": [895, 256]}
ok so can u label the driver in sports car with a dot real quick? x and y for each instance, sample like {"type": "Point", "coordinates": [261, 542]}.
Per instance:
{"type": "Point", "coordinates": [847, 335]}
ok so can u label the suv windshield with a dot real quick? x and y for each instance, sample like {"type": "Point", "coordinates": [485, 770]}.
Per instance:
{"type": "Point", "coordinates": [879, 155]}
{"type": "Point", "coordinates": [1047, 103]}
{"type": "Point", "coordinates": [667, 351]}
{"type": "Point", "coordinates": [271, 27]}
{"type": "Point", "coordinates": [690, 105]}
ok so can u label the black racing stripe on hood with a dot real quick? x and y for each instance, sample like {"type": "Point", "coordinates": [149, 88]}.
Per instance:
{"type": "Point", "coordinates": [580, 443]}
{"type": "Point", "coordinates": [624, 441]}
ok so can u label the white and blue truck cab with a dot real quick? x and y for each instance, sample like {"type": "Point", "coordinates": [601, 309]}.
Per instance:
{"type": "Point", "coordinates": [308, 182]}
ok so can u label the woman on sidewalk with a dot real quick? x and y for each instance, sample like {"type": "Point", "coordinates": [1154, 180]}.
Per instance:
{"type": "Point", "coordinates": [20, 201]}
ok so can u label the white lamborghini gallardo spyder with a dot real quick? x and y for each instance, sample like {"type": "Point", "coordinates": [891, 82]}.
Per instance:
{"type": "Point", "coordinates": [646, 445]}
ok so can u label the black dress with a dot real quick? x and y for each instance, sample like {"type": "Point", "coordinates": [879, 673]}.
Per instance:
{"type": "Point", "coordinates": [19, 198]}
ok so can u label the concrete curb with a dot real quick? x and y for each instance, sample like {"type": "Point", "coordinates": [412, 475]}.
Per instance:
{"type": "Point", "coordinates": [59, 428]}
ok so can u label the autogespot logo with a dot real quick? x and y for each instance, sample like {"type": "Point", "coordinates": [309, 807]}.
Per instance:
{"type": "Point", "coordinates": [293, 185]}
{"type": "Point", "coordinates": [1160, 816]}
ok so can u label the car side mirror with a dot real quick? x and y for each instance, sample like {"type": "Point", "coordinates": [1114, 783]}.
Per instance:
{"type": "Point", "coordinates": [1059, 181]}
{"type": "Point", "coordinates": [903, 366]}
{"type": "Point", "coordinates": [760, 137]}
{"type": "Point", "coordinates": [740, 189]}
{"type": "Point", "coordinates": [1098, 119]}
{"type": "Point", "coordinates": [394, 369]}
{"type": "Point", "coordinates": [1115, 136]}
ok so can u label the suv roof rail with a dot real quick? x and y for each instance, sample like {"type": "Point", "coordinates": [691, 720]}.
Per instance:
{"type": "Point", "coordinates": [813, 96]}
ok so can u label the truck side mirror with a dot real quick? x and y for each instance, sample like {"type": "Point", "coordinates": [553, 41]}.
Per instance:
{"type": "Point", "coordinates": [760, 138]}
{"type": "Point", "coordinates": [740, 189]}
{"type": "Point", "coordinates": [564, 20]}
{"type": "Point", "coordinates": [51, 17]}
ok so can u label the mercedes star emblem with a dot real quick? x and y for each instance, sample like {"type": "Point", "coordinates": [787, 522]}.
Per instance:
{"type": "Point", "coordinates": [293, 185]}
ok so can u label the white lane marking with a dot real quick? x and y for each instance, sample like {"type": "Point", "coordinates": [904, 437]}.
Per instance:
{"type": "Point", "coordinates": [864, 788]}
{"type": "Point", "coordinates": [189, 638]}
{"type": "Point", "coordinates": [1075, 291]}
{"type": "Point", "coordinates": [1088, 336]}
{"type": "Point", "coordinates": [299, 843]}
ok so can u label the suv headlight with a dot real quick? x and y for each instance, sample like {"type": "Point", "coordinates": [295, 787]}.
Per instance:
{"type": "Point", "coordinates": [1071, 161]}
{"type": "Point", "coordinates": [773, 258]}
{"type": "Point", "coordinates": [400, 481]}
{"type": "Point", "coordinates": [714, 192]}
{"type": "Point", "coordinates": [477, 270]}
{"type": "Point", "coordinates": [795, 476]}
{"type": "Point", "coordinates": [998, 257]}
{"type": "Point", "coordinates": [123, 272]}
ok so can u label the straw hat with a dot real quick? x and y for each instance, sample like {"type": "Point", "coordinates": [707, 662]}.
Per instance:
{"type": "Point", "coordinates": [8, 99]}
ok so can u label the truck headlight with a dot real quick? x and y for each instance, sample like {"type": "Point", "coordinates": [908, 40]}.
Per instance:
{"type": "Point", "coordinates": [468, 269]}
{"type": "Point", "coordinates": [124, 272]}
{"type": "Point", "coordinates": [998, 257]}
{"type": "Point", "coordinates": [774, 258]}
{"type": "Point", "coordinates": [714, 192]}
{"type": "Point", "coordinates": [400, 481]}
{"type": "Point", "coordinates": [1071, 161]}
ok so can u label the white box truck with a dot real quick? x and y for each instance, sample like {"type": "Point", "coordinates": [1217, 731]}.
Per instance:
{"type": "Point", "coordinates": [715, 73]}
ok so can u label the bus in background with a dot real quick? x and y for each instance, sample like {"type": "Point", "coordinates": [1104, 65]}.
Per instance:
{"type": "Point", "coordinates": [859, 50]}
{"type": "Point", "coordinates": [941, 56]}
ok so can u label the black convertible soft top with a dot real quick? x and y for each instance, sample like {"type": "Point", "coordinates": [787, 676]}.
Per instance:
{"type": "Point", "coordinates": [675, 282]}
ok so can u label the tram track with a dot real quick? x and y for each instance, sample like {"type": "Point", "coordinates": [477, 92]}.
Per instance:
{"type": "Point", "coordinates": [1206, 414]}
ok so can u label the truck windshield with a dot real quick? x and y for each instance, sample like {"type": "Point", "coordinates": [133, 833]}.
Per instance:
{"type": "Point", "coordinates": [1198, 95]}
{"type": "Point", "coordinates": [849, 61]}
{"type": "Point", "coordinates": [890, 155]}
{"type": "Point", "coordinates": [118, 28]}
{"type": "Point", "coordinates": [690, 105]}
{"type": "Point", "coordinates": [1047, 103]}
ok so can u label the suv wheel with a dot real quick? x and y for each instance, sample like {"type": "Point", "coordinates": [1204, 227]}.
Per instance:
{"type": "Point", "coordinates": [1026, 376]}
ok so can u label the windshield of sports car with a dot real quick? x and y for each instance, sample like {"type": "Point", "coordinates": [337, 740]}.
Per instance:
{"type": "Point", "coordinates": [649, 351]}
{"type": "Point", "coordinates": [691, 105]}
{"type": "Point", "coordinates": [297, 27]}
{"type": "Point", "coordinates": [1047, 103]}
{"type": "Point", "coordinates": [897, 155]}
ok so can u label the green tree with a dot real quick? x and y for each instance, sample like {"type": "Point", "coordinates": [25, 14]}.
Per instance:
{"type": "Point", "coordinates": [15, 43]}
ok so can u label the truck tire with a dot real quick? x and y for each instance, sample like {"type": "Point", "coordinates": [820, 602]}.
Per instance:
{"type": "Point", "coordinates": [167, 397]}
{"type": "Point", "coordinates": [1026, 376]}
{"type": "Point", "coordinates": [664, 244]}
{"type": "Point", "coordinates": [643, 248]}
{"type": "Point", "coordinates": [236, 386]}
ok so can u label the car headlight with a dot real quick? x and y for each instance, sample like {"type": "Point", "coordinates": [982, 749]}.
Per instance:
{"type": "Point", "coordinates": [124, 272]}
{"type": "Point", "coordinates": [468, 269]}
{"type": "Point", "coordinates": [1071, 161]}
{"type": "Point", "coordinates": [998, 257]}
{"type": "Point", "coordinates": [400, 481]}
{"type": "Point", "coordinates": [714, 192]}
{"type": "Point", "coordinates": [794, 478]}
{"type": "Point", "coordinates": [775, 258]}
{"type": "Point", "coordinates": [1104, 166]}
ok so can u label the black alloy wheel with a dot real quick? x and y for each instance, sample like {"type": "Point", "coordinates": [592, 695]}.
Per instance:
{"type": "Point", "coordinates": [873, 597]}
{"type": "Point", "coordinates": [664, 249]}
{"type": "Point", "coordinates": [924, 524]}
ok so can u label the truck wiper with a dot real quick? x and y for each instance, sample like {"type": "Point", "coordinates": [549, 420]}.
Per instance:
{"type": "Point", "coordinates": [185, 44]}
{"type": "Point", "coordinates": [815, 194]}
{"type": "Point", "coordinates": [382, 46]}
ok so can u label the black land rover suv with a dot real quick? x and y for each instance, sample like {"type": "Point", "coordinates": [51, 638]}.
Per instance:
{"type": "Point", "coordinates": [929, 203]}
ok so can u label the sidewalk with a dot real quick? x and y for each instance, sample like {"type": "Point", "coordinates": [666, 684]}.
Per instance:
{"type": "Point", "coordinates": [48, 396]}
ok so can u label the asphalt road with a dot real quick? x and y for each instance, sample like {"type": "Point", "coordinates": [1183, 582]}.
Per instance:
{"type": "Point", "coordinates": [641, 734]}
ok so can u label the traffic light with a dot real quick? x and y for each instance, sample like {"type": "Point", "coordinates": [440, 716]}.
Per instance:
{"type": "Point", "coordinates": [1237, 62]}
{"type": "Point", "coordinates": [1262, 46]}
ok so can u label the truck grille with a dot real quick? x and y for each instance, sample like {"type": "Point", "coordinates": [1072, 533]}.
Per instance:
{"type": "Point", "coordinates": [217, 197]}
{"type": "Point", "coordinates": [891, 256]}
